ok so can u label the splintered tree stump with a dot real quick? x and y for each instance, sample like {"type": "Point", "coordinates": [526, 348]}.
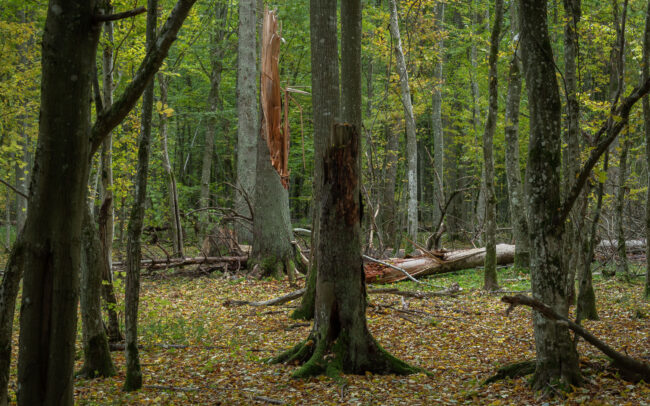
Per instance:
{"type": "Point", "coordinates": [340, 340]}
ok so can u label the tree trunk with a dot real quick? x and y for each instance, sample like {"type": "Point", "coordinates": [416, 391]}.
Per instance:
{"type": "Point", "coordinates": [557, 360]}
{"type": "Point", "coordinates": [52, 233]}
{"type": "Point", "coordinates": [172, 192]}
{"type": "Point", "coordinates": [326, 108]}
{"type": "Point", "coordinates": [272, 232]}
{"type": "Point", "coordinates": [391, 163]}
{"type": "Point", "coordinates": [106, 220]}
{"type": "Point", "coordinates": [133, 380]}
{"type": "Point", "coordinates": [619, 211]}
{"type": "Point", "coordinates": [340, 320]}
{"type": "Point", "coordinates": [8, 293]}
{"type": "Point", "coordinates": [411, 140]}
{"type": "Point", "coordinates": [215, 105]}
{"type": "Point", "coordinates": [586, 306]}
{"type": "Point", "coordinates": [97, 356]}
{"type": "Point", "coordinates": [248, 122]}
{"type": "Point", "coordinates": [646, 122]}
{"type": "Point", "coordinates": [516, 197]}
{"type": "Point", "coordinates": [436, 121]}
{"type": "Point", "coordinates": [490, 274]}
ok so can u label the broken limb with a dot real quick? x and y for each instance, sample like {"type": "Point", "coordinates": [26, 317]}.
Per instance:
{"type": "Point", "coordinates": [630, 368]}
{"type": "Point", "coordinates": [176, 262]}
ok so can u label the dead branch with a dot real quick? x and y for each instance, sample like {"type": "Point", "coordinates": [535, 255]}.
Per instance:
{"type": "Point", "coordinates": [631, 368]}
{"type": "Point", "coordinates": [100, 18]}
{"type": "Point", "coordinates": [453, 290]}
{"type": "Point", "coordinates": [272, 302]}
{"type": "Point", "coordinates": [15, 190]}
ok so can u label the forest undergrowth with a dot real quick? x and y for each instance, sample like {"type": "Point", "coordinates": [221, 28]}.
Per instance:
{"type": "Point", "coordinates": [196, 350]}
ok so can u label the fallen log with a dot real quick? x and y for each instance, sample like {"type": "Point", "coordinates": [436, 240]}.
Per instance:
{"type": "Point", "coordinates": [438, 263]}
{"type": "Point", "coordinates": [216, 262]}
{"type": "Point", "coordinates": [630, 368]}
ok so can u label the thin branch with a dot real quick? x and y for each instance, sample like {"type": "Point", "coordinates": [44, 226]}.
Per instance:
{"type": "Point", "coordinates": [100, 18]}
{"type": "Point", "coordinates": [18, 192]}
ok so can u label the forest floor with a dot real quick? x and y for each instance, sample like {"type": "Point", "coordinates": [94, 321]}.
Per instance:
{"type": "Point", "coordinates": [198, 351]}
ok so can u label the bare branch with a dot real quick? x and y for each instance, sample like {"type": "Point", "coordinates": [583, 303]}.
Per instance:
{"type": "Point", "coordinates": [101, 18]}
{"type": "Point", "coordinates": [18, 192]}
{"type": "Point", "coordinates": [114, 115]}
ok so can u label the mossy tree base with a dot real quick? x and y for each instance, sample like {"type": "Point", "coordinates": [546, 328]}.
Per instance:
{"type": "Point", "coordinates": [333, 358]}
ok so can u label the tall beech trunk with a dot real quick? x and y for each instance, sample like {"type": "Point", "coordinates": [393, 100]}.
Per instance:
{"type": "Point", "coordinates": [247, 105]}
{"type": "Point", "coordinates": [97, 356]}
{"type": "Point", "coordinates": [516, 196]}
{"type": "Point", "coordinates": [326, 108]}
{"type": "Point", "coordinates": [646, 123]}
{"type": "Point", "coordinates": [133, 380]}
{"type": "Point", "coordinates": [573, 237]}
{"type": "Point", "coordinates": [436, 121]}
{"type": "Point", "coordinates": [340, 326]}
{"type": "Point", "coordinates": [272, 233]}
{"type": "Point", "coordinates": [106, 219]}
{"type": "Point", "coordinates": [409, 118]}
{"type": "Point", "coordinates": [557, 360]}
{"type": "Point", "coordinates": [172, 192]}
{"type": "Point", "coordinates": [490, 273]}
{"type": "Point", "coordinates": [50, 242]}
{"type": "Point", "coordinates": [215, 105]}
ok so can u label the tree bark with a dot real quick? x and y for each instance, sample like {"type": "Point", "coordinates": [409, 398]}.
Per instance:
{"type": "Point", "coordinates": [490, 273]}
{"type": "Point", "coordinates": [52, 233]}
{"type": "Point", "coordinates": [247, 105]}
{"type": "Point", "coordinates": [326, 108]}
{"type": "Point", "coordinates": [436, 121]}
{"type": "Point", "coordinates": [411, 140]}
{"type": "Point", "coordinates": [391, 164]}
{"type": "Point", "coordinates": [133, 380]}
{"type": "Point", "coordinates": [340, 320]}
{"type": "Point", "coordinates": [172, 192]}
{"type": "Point", "coordinates": [106, 220]}
{"type": "Point", "coordinates": [97, 356]}
{"type": "Point", "coordinates": [272, 232]}
{"type": "Point", "coordinates": [573, 236]}
{"type": "Point", "coordinates": [8, 292]}
{"type": "Point", "coordinates": [645, 74]}
{"type": "Point", "coordinates": [557, 360]}
{"type": "Point", "coordinates": [516, 196]}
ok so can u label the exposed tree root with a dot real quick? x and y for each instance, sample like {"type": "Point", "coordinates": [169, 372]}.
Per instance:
{"type": "Point", "coordinates": [515, 370]}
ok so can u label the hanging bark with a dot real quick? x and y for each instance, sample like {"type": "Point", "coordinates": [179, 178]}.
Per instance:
{"type": "Point", "coordinates": [325, 104]}
{"type": "Point", "coordinates": [557, 360]}
{"type": "Point", "coordinates": [272, 233]}
{"type": "Point", "coordinates": [172, 192]}
{"type": "Point", "coordinates": [516, 197]}
{"type": "Point", "coordinates": [490, 273]}
{"type": "Point", "coordinates": [133, 380]}
{"type": "Point", "coordinates": [340, 322]}
{"type": "Point", "coordinates": [248, 122]}
{"type": "Point", "coordinates": [97, 356]}
{"type": "Point", "coordinates": [409, 118]}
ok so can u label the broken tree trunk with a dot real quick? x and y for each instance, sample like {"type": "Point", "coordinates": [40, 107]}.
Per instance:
{"type": "Point", "coordinates": [630, 368]}
{"type": "Point", "coordinates": [439, 262]}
